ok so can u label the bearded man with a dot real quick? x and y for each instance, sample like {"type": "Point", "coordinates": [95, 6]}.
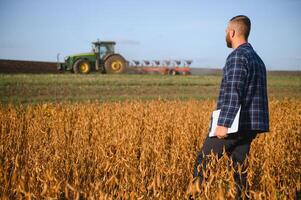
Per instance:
{"type": "Point", "coordinates": [243, 87]}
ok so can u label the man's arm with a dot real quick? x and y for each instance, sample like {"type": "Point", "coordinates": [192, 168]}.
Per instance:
{"type": "Point", "coordinates": [235, 78]}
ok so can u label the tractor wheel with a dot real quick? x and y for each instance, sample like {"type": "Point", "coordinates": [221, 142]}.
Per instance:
{"type": "Point", "coordinates": [173, 72]}
{"type": "Point", "coordinates": [115, 64]}
{"type": "Point", "coordinates": [81, 67]}
{"type": "Point", "coordinates": [186, 73]}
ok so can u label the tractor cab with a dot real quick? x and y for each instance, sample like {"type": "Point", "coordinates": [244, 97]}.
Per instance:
{"type": "Point", "coordinates": [103, 48]}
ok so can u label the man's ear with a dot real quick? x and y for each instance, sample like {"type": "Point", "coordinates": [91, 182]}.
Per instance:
{"type": "Point", "coordinates": [232, 33]}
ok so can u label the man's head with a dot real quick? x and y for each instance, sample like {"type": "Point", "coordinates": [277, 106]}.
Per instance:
{"type": "Point", "coordinates": [238, 30]}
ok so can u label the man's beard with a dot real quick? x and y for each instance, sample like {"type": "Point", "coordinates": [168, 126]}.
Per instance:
{"type": "Point", "coordinates": [228, 41]}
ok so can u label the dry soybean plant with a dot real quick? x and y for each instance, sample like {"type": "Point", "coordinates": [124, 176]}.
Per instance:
{"type": "Point", "coordinates": [137, 150]}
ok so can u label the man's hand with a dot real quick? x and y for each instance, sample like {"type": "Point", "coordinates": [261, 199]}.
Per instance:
{"type": "Point", "coordinates": [221, 132]}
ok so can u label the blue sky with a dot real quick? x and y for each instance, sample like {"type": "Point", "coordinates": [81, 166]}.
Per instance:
{"type": "Point", "coordinates": [144, 29]}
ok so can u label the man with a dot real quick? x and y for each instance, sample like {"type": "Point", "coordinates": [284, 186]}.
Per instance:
{"type": "Point", "coordinates": [244, 84]}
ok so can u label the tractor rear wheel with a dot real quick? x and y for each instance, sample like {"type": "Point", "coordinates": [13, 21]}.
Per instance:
{"type": "Point", "coordinates": [81, 67]}
{"type": "Point", "coordinates": [115, 64]}
{"type": "Point", "coordinates": [172, 72]}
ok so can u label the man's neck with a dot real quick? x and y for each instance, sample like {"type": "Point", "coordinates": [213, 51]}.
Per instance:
{"type": "Point", "coordinates": [239, 42]}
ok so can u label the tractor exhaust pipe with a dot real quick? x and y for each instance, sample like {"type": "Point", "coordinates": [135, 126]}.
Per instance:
{"type": "Point", "coordinates": [58, 64]}
{"type": "Point", "coordinates": [97, 62]}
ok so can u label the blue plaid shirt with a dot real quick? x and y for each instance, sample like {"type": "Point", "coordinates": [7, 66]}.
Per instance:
{"type": "Point", "coordinates": [244, 83]}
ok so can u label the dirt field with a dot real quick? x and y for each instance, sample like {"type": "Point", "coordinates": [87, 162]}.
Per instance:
{"type": "Point", "coordinates": [37, 67]}
{"type": "Point", "coordinates": [18, 66]}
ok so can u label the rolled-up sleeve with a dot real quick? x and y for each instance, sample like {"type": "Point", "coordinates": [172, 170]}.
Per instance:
{"type": "Point", "coordinates": [235, 74]}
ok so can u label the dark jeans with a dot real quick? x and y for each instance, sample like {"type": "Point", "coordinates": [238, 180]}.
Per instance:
{"type": "Point", "coordinates": [237, 147]}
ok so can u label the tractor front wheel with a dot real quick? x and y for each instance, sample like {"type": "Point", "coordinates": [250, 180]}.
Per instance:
{"type": "Point", "coordinates": [115, 64]}
{"type": "Point", "coordinates": [81, 67]}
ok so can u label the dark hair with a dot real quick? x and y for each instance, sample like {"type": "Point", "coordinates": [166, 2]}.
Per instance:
{"type": "Point", "coordinates": [243, 23]}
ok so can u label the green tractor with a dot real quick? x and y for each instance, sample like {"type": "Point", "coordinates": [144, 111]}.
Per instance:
{"type": "Point", "coordinates": [102, 58]}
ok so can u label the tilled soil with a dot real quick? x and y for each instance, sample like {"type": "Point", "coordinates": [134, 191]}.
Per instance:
{"type": "Point", "coordinates": [21, 66]}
